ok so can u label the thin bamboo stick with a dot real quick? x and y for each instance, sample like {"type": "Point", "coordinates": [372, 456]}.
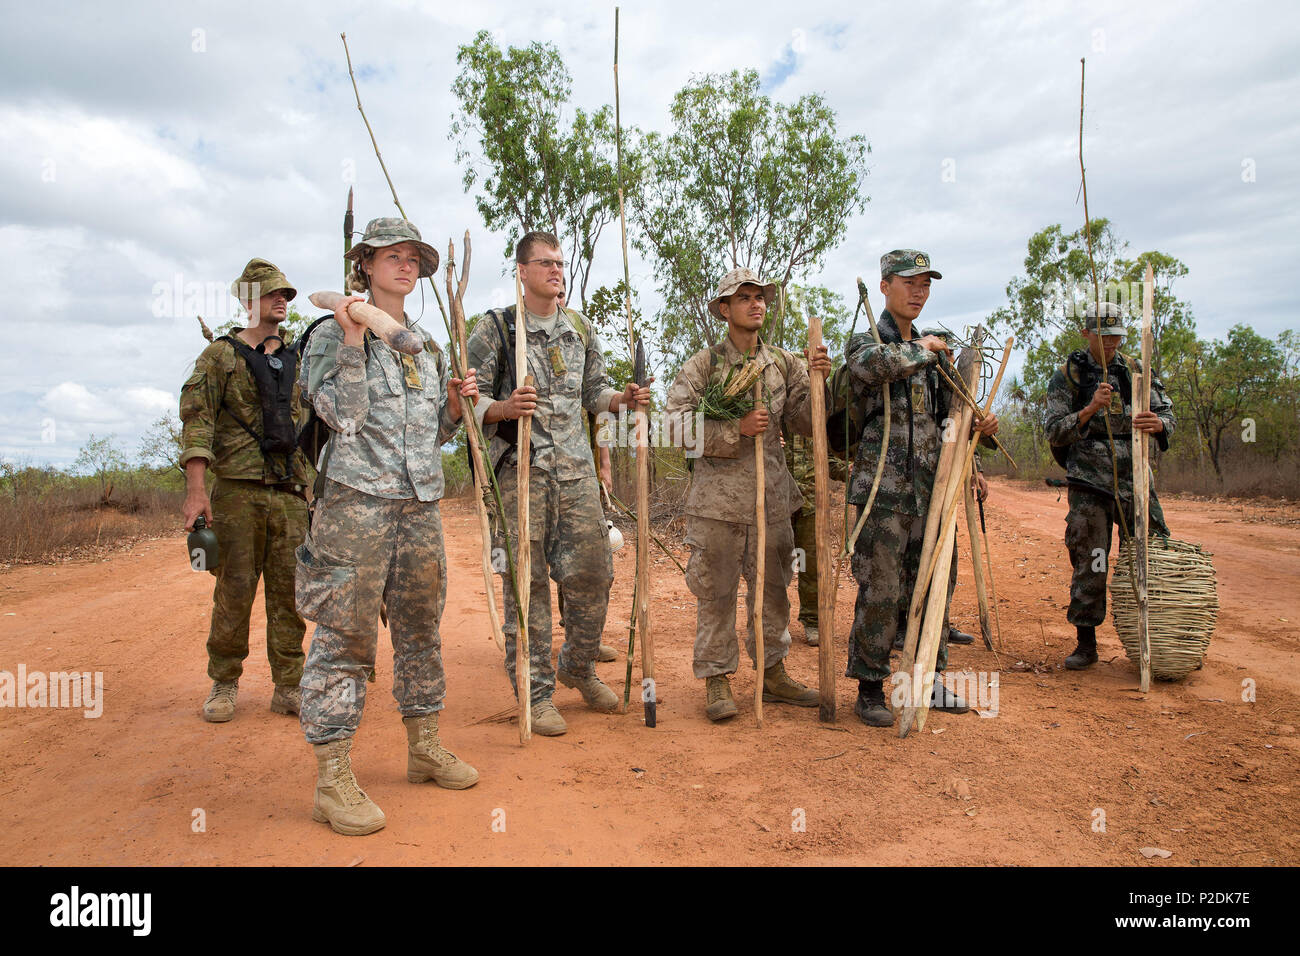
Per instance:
{"type": "Point", "coordinates": [760, 558]}
{"type": "Point", "coordinates": [524, 558]}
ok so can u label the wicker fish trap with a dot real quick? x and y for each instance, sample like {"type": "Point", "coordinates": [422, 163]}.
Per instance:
{"type": "Point", "coordinates": [1182, 605]}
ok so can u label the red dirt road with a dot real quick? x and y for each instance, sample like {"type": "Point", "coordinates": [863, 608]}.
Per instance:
{"type": "Point", "coordinates": [1189, 767]}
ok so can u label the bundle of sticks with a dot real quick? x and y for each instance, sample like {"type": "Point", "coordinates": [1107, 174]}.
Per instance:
{"type": "Point", "coordinates": [929, 605]}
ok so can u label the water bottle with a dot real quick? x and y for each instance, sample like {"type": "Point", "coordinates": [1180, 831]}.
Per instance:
{"type": "Point", "coordinates": [204, 553]}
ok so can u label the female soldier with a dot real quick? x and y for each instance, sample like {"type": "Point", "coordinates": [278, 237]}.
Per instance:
{"type": "Point", "coordinates": [376, 535]}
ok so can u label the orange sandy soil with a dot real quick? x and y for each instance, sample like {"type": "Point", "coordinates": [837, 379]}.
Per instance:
{"type": "Point", "coordinates": [1188, 767]}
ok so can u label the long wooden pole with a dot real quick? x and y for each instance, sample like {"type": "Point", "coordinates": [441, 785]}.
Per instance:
{"type": "Point", "coordinates": [977, 564]}
{"type": "Point", "coordinates": [988, 568]}
{"type": "Point", "coordinates": [821, 528]}
{"type": "Point", "coordinates": [456, 303]}
{"type": "Point", "coordinates": [524, 549]}
{"type": "Point", "coordinates": [760, 557]}
{"type": "Point", "coordinates": [642, 443]}
{"type": "Point", "coordinates": [1142, 484]}
{"type": "Point", "coordinates": [347, 241]}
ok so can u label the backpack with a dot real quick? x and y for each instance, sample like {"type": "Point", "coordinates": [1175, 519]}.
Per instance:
{"type": "Point", "coordinates": [1082, 385]}
{"type": "Point", "coordinates": [274, 374]}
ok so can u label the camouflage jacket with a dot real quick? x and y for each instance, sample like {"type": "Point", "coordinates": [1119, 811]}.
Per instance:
{"type": "Point", "coordinates": [570, 377]}
{"type": "Point", "coordinates": [209, 431]}
{"type": "Point", "coordinates": [919, 402]}
{"type": "Point", "coordinates": [799, 459]}
{"type": "Point", "coordinates": [388, 411]}
{"type": "Point", "coordinates": [1087, 451]}
{"type": "Point", "coordinates": [722, 483]}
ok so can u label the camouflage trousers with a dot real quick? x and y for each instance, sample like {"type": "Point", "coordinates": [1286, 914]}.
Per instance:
{"type": "Point", "coordinates": [363, 549]}
{"type": "Point", "coordinates": [258, 527]}
{"type": "Point", "coordinates": [721, 551]}
{"type": "Point", "coordinates": [1088, 528]}
{"type": "Point", "coordinates": [805, 540]}
{"type": "Point", "coordinates": [569, 543]}
{"type": "Point", "coordinates": [885, 564]}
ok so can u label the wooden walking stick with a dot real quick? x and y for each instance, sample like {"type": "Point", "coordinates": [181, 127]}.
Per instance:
{"type": "Point", "coordinates": [456, 302]}
{"type": "Point", "coordinates": [524, 547]}
{"type": "Point", "coordinates": [1142, 484]}
{"type": "Point", "coordinates": [760, 556]}
{"type": "Point", "coordinates": [347, 241]}
{"type": "Point", "coordinates": [988, 569]}
{"type": "Point", "coordinates": [636, 348]}
{"type": "Point", "coordinates": [977, 564]}
{"type": "Point", "coordinates": [821, 527]}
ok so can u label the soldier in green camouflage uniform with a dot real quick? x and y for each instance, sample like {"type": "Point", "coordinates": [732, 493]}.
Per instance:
{"type": "Point", "coordinates": [1079, 402]}
{"type": "Point", "coordinates": [258, 508]}
{"type": "Point", "coordinates": [377, 530]}
{"type": "Point", "coordinates": [567, 526]}
{"type": "Point", "coordinates": [799, 459]}
{"type": "Point", "coordinates": [888, 551]}
{"type": "Point", "coordinates": [720, 528]}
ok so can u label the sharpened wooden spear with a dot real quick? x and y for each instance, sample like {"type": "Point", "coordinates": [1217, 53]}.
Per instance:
{"type": "Point", "coordinates": [635, 348]}
{"type": "Point", "coordinates": [1141, 401]}
{"type": "Point", "coordinates": [456, 302]}
{"type": "Point", "coordinates": [821, 528]}
{"type": "Point", "coordinates": [760, 556]}
{"type": "Point", "coordinates": [524, 550]}
{"type": "Point", "coordinates": [347, 241]}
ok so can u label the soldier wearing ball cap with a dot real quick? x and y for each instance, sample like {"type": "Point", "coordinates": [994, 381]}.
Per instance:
{"type": "Point", "coordinates": [720, 527]}
{"type": "Point", "coordinates": [887, 553]}
{"type": "Point", "coordinates": [1096, 384]}
{"type": "Point", "coordinates": [258, 507]}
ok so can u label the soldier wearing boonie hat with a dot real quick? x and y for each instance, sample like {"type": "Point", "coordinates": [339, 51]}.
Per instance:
{"type": "Point", "coordinates": [1093, 385]}
{"type": "Point", "coordinates": [376, 535]}
{"type": "Point", "coordinates": [720, 527]}
{"type": "Point", "coordinates": [257, 508]}
{"type": "Point", "coordinates": [887, 553]}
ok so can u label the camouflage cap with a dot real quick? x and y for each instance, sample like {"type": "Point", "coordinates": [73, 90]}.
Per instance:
{"type": "Point", "coordinates": [732, 281]}
{"type": "Point", "coordinates": [1112, 317]}
{"type": "Point", "coordinates": [906, 262]}
{"type": "Point", "coordinates": [389, 232]}
{"type": "Point", "coordinates": [260, 278]}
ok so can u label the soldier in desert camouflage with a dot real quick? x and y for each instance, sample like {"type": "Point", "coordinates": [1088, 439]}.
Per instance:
{"type": "Point", "coordinates": [887, 553]}
{"type": "Point", "coordinates": [377, 531]}
{"type": "Point", "coordinates": [720, 529]}
{"type": "Point", "coordinates": [258, 507]}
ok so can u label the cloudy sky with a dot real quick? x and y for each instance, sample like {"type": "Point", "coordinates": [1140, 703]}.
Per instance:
{"type": "Point", "coordinates": [150, 149]}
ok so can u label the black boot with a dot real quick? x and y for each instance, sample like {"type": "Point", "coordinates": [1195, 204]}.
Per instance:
{"type": "Point", "coordinates": [871, 708]}
{"type": "Point", "coordinates": [1085, 655]}
{"type": "Point", "coordinates": [941, 698]}
{"type": "Point", "coordinates": [959, 637]}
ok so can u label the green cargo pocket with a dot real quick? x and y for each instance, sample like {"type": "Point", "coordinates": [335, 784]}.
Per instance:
{"type": "Point", "coordinates": [325, 589]}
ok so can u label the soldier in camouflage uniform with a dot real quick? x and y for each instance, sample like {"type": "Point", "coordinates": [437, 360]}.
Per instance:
{"type": "Point", "coordinates": [258, 507]}
{"type": "Point", "coordinates": [1079, 400]}
{"type": "Point", "coordinates": [720, 525]}
{"type": "Point", "coordinates": [569, 540]}
{"type": "Point", "coordinates": [888, 551]}
{"type": "Point", "coordinates": [799, 459]}
{"type": "Point", "coordinates": [377, 532]}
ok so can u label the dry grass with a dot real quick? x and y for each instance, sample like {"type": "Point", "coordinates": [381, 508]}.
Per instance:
{"type": "Point", "coordinates": [72, 520]}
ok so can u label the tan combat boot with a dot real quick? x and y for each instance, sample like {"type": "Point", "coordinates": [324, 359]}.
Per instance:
{"type": "Point", "coordinates": [547, 720]}
{"type": "Point", "coordinates": [719, 704]}
{"type": "Point", "coordinates": [287, 699]}
{"type": "Point", "coordinates": [605, 654]}
{"type": "Point", "coordinates": [425, 756]}
{"type": "Point", "coordinates": [220, 705]}
{"type": "Point", "coordinates": [339, 801]}
{"type": "Point", "coordinates": [594, 691]}
{"type": "Point", "coordinates": [780, 688]}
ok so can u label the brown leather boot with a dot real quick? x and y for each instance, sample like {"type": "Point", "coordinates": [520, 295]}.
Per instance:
{"type": "Point", "coordinates": [780, 688]}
